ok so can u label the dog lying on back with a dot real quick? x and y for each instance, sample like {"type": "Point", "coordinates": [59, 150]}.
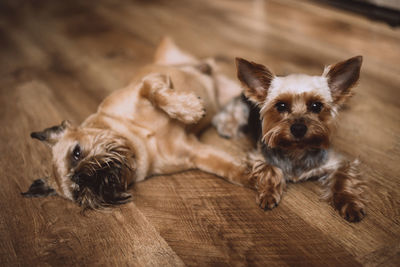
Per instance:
{"type": "Point", "coordinates": [292, 120]}
{"type": "Point", "coordinates": [145, 129]}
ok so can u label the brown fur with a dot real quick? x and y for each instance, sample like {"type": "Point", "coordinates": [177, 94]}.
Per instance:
{"type": "Point", "coordinates": [269, 182]}
{"type": "Point", "coordinates": [145, 129]}
{"type": "Point", "coordinates": [342, 77]}
{"type": "Point", "coordinates": [345, 190]}
{"type": "Point", "coordinates": [256, 84]}
{"type": "Point", "coordinates": [276, 126]}
{"type": "Point", "coordinates": [290, 156]}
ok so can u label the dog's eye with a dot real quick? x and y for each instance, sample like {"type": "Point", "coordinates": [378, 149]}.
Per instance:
{"type": "Point", "coordinates": [316, 107]}
{"type": "Point", "coordinates": [76, 153]}
{"type": "Point", "coordinates": [282, 107]}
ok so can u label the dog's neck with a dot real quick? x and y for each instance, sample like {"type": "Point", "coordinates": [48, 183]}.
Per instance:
{"type": "Point", "coordinates": [295, 162]}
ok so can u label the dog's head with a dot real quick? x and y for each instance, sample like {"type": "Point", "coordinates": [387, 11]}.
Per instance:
{"type": "Point", "coordinates": [90, 166]}
{"type": "Point", "coordinates": [297, 111]}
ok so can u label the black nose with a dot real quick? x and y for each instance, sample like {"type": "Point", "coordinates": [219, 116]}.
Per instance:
{"type": "Point", "coordinates": [298, 130]}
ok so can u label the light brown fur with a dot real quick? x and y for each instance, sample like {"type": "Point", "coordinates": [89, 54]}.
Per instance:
{"type": "Point", "coordinates": [145, 129]}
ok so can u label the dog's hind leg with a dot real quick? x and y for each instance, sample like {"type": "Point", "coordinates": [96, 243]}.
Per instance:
{"type": "Point", "coordinates": [211, 159]}
{"type": "Point", "coordinates": [250, 171]}
{"type": "Point", "coordinates": [181, 105]}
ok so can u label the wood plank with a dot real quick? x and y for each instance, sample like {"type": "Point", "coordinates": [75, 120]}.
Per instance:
{"type": "Point", "coordinates": [60, 58]}
{"type": "Point", "coordinates": [209, 222]}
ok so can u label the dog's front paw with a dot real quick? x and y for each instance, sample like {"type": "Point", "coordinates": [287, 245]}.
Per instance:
{"type": "Point", "coordinates": [225, 128]}
{"type": "Point", "coordinates": [269, 183]}
{"type": "Point", "coordinates": [352, 211]}
{"type": "Point", "coordinates": [268, 200]}
{"type": "Point", "coordinates": [230, 121]}
{"type": "Point", "coordinates": [186, 107]}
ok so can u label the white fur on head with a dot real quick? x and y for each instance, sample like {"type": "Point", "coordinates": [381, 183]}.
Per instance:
{"type": "Point", "coordinates": [298, 84]}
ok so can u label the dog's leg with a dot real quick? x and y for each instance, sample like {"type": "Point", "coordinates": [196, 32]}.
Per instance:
{"type": "Point", "coordinates": [221, 163]}
{"type": "Point", "coordinates": [251, 172]}
{"type": "Point", "coordinates": [345, 190]}
{"type": "Point", "coordinates": [233, 165]}
{"type": "Point", "coordinates": [183, 106]}
{"type": "Point", "coordinates": [231, 119]}
{"type": "Point", "coordinates": [269, 183]}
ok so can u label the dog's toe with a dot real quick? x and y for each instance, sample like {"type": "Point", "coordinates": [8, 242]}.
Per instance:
{"type": "Point", "coordinates": [353, 212]}
{"type": "Point", "coordinates": [267, 202]}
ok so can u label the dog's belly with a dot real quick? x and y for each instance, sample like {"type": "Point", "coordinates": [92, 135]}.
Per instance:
{"type": "Point", "coordinates": [161, 145]}
{"type": "Point", "coordinates": [170, 149]}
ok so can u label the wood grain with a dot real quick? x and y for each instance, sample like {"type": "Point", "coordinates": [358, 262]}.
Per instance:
{"type": "Point", "coordinates": [58, 60]}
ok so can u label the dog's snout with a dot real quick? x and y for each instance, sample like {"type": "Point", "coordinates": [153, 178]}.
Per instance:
{"type": "Point", "coordinates": [298, 130]}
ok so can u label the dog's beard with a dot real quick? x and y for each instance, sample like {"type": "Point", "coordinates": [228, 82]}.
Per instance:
{"type": "Point", "coordinates": [101, 181]}
{"type": "Point", "coordinates": [318, 136]}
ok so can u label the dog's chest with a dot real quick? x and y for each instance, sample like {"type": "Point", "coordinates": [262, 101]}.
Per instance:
{"type": "Point", "coordinates": [294, 166]}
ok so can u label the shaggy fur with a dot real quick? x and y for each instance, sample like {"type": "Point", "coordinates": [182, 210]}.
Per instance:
{"type": "Point", "coordinates": [148, 128]}
{"type": "Point", "coordinates": [292, 119]}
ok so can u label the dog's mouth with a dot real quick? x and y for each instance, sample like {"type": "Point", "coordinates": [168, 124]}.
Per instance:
{"type": "Point", "coordinates": [289, 142]}
{"type": "Point", "coordinates": [311, 142]}
{"type": "Point", "coordinates": [315, 137]}
{"type": "Point", "coordinates": [99, 185]}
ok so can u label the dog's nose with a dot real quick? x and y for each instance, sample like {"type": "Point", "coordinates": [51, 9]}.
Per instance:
{"type": "Point", "coordinates": [298, 130]}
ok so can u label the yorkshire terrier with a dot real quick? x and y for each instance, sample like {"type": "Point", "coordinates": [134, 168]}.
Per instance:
{"type": "Point", "coordinates": [292, 118]}
{"type": "Point", "coordinates": [146, 129]}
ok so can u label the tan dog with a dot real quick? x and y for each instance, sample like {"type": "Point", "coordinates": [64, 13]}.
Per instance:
{"type": "Point", "coordinates": [145, 129]}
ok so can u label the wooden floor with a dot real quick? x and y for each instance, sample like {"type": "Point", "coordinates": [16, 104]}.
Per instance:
{"type": "Point", "coordinates": [58, 59]}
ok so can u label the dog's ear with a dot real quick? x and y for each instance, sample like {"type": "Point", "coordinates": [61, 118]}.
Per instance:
{"type": "Point", "coordinates": [342, 76]}
{"type": "Point", "coordinates": [51, 135]}
{"type": "Point", "coordinates": [256, 79]}
{"type": "Point", "coordinates": [39, 188]}
{"type": "Point", "coordinates": [168, 53]}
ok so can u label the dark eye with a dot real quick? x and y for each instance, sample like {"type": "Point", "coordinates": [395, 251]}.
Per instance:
{"type": "Point", "coordinates": [282, 107]}
{"type": "Point", "coordinates": [316, 107]}
{"type": "Point", "coordinates": [76, 153]}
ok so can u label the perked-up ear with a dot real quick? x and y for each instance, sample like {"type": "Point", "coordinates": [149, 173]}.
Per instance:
{"type": "Point", "coordinates": [256, 79]}
{"type": "Point", "coordinates": [342, 77]}
{"type": "Point", "coordinates": [168, 53]}
{"type": "Point", "coordinates": [51, 135]}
